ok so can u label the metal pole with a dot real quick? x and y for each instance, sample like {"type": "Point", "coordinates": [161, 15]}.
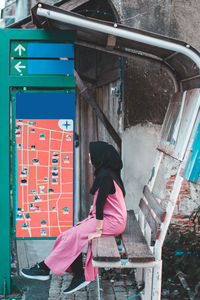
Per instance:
{"type": "Point", "coordinates": [99, 284]}
{"type": "Point", "coordinates": [114, 30]}
{"type": "Point", "coordinates": [4, 168]}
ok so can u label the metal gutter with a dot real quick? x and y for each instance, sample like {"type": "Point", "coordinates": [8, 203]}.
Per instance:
{"type": "Point", "coordinates": [114, 30]}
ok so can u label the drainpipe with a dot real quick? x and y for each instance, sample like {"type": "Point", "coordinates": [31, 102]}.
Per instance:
{"type": "Point", "coordinates": [123, 33]}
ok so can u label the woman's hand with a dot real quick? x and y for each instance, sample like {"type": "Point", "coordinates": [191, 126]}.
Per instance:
{"type": "Point", "coordinates": [94, 235]}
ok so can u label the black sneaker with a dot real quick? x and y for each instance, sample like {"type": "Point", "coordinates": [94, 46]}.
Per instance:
{"type": "Point", "coordinates": [76, 284]}
{"type": "Point", "coordinates": [35, 272]}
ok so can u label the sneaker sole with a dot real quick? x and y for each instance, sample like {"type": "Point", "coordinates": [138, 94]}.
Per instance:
{"type": "Point", "coordinates": [46, 277]}
{"type": "Point", "coordinates": [82, 285]}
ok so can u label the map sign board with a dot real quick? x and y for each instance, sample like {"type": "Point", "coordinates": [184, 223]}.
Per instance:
{"type": "Point", "coordinates": [45, 159]}
{"type": "Point", "coordinates": [24, 45]}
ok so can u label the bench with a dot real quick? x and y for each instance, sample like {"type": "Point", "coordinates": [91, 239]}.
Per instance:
{"type": "Point", "coordinates": [149, 225]}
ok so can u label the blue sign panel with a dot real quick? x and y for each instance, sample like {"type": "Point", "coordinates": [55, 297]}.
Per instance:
{"type": "Point", "coordinates": [192, 170]}
{"type": "Point", "coordinates": [45, 105]}
{"type": "Point", "coordinates": [59, 67]}
{"type": "Point", "coordinates": [50, 50]}
{"type": "Point", "coordinates": [25, 49]}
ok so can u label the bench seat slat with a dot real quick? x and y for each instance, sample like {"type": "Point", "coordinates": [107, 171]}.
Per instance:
{"type": "Point", "coordinates": [105, 249]}
{"type": "Point", "coordinates": [155, 226]}
{"type": "Point", "coordinates": [153, 203]}
{"type": "Point", "coordinates": [135, 245]}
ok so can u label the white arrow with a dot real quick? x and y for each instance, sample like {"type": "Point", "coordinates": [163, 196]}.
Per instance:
{"type": "Point", "coordinates": [18, 67]}
{"type": "Point", "coordinates": [19, 48]}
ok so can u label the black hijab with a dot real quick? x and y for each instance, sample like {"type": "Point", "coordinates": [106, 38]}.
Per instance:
{"type": "Point", "coordinates": [106, 160]}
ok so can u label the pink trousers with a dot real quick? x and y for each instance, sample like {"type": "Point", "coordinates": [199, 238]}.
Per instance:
{"type": "Point", "coordinates": [71, 243]}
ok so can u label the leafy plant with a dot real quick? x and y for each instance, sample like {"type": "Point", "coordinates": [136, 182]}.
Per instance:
{"type": "Point", "coordinates": [181, 252]}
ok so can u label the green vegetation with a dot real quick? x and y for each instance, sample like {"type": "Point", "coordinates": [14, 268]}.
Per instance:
{"type": "Point", "coordinates": [181, 254]}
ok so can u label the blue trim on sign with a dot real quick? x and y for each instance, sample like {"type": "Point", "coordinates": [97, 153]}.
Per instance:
{"type": "Point", "coordinates": [45, 105]}
{"type": "Point", "coordinates": [73, 171]}
{"type": "Point", "coordinates": [16, 183]}
{"type": "Point", "coordinates": [50, 50]}
{"type": "Point", "coordinates": [51, 67]}
{"type": "Point", "coordinates": [192, 170]}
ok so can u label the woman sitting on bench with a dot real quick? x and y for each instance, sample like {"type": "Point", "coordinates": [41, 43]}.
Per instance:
{"type": "Point", "coordinates": [107, 217]}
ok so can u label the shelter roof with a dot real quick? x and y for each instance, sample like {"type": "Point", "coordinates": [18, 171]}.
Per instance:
{"type": "Point", "coordinates": [181, 58]}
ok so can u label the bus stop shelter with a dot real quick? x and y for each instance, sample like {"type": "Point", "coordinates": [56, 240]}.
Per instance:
{"type": "Point", "coordinates": [181, 59]}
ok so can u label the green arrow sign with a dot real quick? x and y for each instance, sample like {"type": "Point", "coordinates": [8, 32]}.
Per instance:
{"type": "Point", "coordinates": [18, 67]}
{"type": "Point", "coordinates": [18, 49]}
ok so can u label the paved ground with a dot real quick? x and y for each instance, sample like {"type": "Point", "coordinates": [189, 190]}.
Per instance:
{"type": "Point", "coordinates": [116, 285]}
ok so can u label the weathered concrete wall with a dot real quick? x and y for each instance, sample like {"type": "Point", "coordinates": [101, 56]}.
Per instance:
{"type": "Point", "coordinates": [147, 90]}
{"type": "Point", "coordinates": [188, 198]}
{"type": "Point", "coordinates": [138, 152]}
{"type": "Point", "coordinates": [174, 18]}
{"type": "Point", "coordinates": [146, 84]}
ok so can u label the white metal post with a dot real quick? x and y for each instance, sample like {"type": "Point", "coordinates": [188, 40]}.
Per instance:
{"type": "Point", "coordinates": [158, 159]}
{"type": "Point", "coordinates": [139, 274]}
{"type": "Point", "coordinates": [99, 284]}
{"type": "Point", "coordinates": [148, 283]}
{"type": "Point", "coordinates": [170, 209]}
{"type": "Point", "coordinates": [157, 280]}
